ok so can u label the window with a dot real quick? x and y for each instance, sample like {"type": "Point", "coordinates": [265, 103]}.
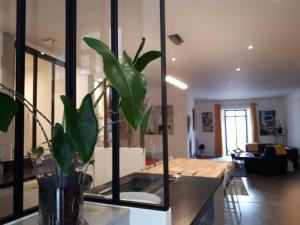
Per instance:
{"type": "Point", "coordinates": [236, 129]}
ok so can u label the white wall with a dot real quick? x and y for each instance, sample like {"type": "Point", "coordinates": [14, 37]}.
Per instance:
{"type": "Point", "coordinates": [178, 140]}
{"type": "Point", "coordinates": [292, 104]}
{"type": "Point", "coordinates": [208, 139]}
{"type": "Point", "coordinates": [132, 160]}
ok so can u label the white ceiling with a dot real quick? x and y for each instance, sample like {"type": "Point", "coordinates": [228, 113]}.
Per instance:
{"type": "Point", "coordinates": [216, 35]}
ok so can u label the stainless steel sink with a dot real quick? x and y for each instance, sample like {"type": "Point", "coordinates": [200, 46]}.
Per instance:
{"type": "Point", "coordinates": [136, 182]}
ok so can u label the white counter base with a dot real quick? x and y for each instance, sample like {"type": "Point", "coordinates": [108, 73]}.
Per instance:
{"type": "Point", "coordinates": [100, 214]}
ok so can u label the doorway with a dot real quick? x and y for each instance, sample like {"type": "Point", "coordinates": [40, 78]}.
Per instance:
{"type": "Point", "coordinates": [236, 129]}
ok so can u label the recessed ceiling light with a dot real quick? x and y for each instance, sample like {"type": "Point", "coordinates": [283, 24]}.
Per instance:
{"type": "Point", "coordinates": [173, 59]}
{"type": "Point", "coordinates": [176, 82]}
{"type": "Point", "coordinates": [250, 47]}
{"type": "Point", "coordinates": [238, 69]}
{"type": "Point", "coordinates": [42, 53]}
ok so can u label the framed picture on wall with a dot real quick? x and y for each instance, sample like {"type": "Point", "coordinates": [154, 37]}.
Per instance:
{"type": "Point", "coordinates": [207, 122]}
{"type": "Point", "coordinates": [267, 122]}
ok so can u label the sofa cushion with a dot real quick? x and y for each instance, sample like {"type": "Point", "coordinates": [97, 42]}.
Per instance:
{"type": "Point", "coordinates": [274, 150]}
{"type": "Point", "coordinates": [280, 150]}
{"type": "Point", "coordinates": [253, 147]}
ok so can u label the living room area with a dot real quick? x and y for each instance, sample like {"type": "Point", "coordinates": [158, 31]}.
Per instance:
{"type": "Point", "coordinates": [265, 166]}
{"type": "Point", "coordinates": [216, 140]}
{"type": "Point", "coordinates": [246, 105]}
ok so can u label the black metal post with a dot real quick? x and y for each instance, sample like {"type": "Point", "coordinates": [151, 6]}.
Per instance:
{"type": "Point", "coordinates": [71, 25]}
{"type": "Point", "coordinates": [115, 106]}
{"type": "Point", "coordinates": [53, 94]}
{"type": "Point", "coordinates": [35, 74]}
{"type": "Point", "coordinates": [164, 104]}
{"type": "Point", "coordinates": [19, 120]}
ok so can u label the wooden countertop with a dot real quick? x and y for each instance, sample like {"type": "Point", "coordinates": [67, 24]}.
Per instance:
{"type": "Point", "coordinates": [194, 167]}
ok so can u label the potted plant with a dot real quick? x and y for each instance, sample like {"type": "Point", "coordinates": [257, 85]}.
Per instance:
{"type": "Point", "coordinates": [61, 175]}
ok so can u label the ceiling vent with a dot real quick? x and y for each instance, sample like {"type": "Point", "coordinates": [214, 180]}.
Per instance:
{"type": "Point", "coordinates": [176, 39]}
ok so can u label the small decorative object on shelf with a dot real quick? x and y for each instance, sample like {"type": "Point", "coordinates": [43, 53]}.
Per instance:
{"type": "Point", "coordinates": [61, 175]}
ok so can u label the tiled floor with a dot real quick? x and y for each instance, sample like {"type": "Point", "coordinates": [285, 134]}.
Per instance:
{"type": "Point", "coordinates": [271, 200]}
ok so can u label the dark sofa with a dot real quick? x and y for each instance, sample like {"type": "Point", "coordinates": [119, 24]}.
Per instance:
{"type": "Point", "coordinates": [266, 162]}
{"type": "Point", "coordinates": [266, 166]}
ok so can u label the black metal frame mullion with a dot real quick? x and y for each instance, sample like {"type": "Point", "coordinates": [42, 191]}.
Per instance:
{"type": "Point", "coordinates": [115, 110]}
{"type": "Point", "coordinates": [164, 105]}
{"type": "Point", "coordinates": [19, 119]}
{"type": "Point", "coordinates": [71, 32]}
{"type": "Point", "coordinates": [34, 102]}
{"type": "Point", "coordinates": [53, 93]}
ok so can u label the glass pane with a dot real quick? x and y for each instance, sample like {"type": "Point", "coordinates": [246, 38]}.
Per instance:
{"type": "Point", "coordinates": [136, 181]}
{"type": "Point", "coordinates": [7, 67]}
{"type": "Point", "coordinates": [45, 39]}
{"type": "Point", "coordinates": [30, 192]}
{"type": "Point", "coordinates": [44, 98]}
{"type": "Point", "coordinates": [60, 89]}
{"type": "Point", "coordinates": [28, 118]}
{"type": "Point", "coordinates": [241, 113]}
{"type": "Point", "coordinates": [230, 133]}
{"type": "Point", "coordinates": [94, 21]}
{"type": "Point", "coordinates": [230, 113]}
{"type": "Point", "coordinates": [241, 126]}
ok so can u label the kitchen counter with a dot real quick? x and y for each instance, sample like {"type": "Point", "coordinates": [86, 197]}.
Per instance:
{"type": "Point", "coordinates": [194, 167]}
{"type": "Point", "coordinates": [189, 197]}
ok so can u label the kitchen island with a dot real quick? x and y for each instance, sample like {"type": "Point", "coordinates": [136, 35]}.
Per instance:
{"type": "Point", "coordinates": [194, 167]}
{"type": "Point", "coordinates": [197, 201]}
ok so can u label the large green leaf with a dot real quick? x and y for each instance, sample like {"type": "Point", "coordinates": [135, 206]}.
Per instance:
{"type": "Point", "coordinates": [81, 126]}
{"type": "Point", "coordinates": [37, 151]}
{"type": "Point", "coordinates": [115, 74]}
{"type": "Point", "coordinates": [8, 109]}
{"type": "Point", "coordinates": [146, 58]}
{"type": "Point", "coordinates": [136, 80]}
{"type": "Point", "coordinates": [88, 125]}
{"type": "Point", "coordinates": [63, 149]}
{"type": "Point", "coordinates": [144, 125]}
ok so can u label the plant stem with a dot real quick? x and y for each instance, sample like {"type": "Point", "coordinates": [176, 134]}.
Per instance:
{"type": "Point", "coordinates": [33, 111]}
{"type": "Point", "coordinates": [100, 83]}
{"type": "Point", "coordinates": [40, 124]}
{"type": "Point", "coordinates": [108, 124]}
{"type": "Point", "coordinates": [22, 99]}
{"type": "Point", "coordinates": [99, 98]}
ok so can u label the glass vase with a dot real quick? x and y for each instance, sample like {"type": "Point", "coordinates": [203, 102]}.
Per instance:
{"type": "Point", "coordinates": [60, 196]}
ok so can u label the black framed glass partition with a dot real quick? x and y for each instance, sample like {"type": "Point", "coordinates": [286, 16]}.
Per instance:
{"type": "Point", "coordinates": [44, 84]}
{"type": "Point", "coordinates": [7, 77]}
{"type": "Point", "coordinates": [56, 62]}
